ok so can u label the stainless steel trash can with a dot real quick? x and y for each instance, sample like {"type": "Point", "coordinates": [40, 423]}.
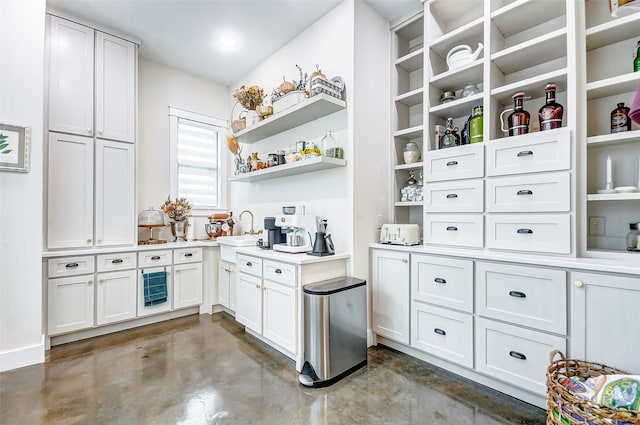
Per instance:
{"type": "Point", "coordinates": [335, 330]}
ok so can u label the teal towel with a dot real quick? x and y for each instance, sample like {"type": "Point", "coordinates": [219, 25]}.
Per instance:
{"type": "Point", "coordinates": [155, 288]}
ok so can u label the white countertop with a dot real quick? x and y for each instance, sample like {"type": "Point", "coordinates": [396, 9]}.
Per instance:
{"type": "Point", "coordinates": [130, 248]}
{"type": "Point", "coordinates": [301, 258]}
{"type": "Point", "coordinates": [630, 266]}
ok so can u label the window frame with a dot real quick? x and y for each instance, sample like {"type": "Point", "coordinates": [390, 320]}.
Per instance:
{"type": "Point", "coordinates": [175, 114]}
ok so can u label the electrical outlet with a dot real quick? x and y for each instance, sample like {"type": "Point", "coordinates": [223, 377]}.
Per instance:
{"type": "Point", "coordinates": [380, 221]}
{"type": "Point", "coordinates": [596, 225]}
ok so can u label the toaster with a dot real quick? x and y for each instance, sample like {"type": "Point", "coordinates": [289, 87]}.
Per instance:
{"type": "Point", "coordinates": [400, 234]}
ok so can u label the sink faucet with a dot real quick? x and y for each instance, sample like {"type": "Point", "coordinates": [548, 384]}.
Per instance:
{"type": "Point", "coordinates": [250, 232]}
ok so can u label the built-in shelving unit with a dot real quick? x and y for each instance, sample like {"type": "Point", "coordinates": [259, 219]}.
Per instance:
{"type": "Point", "coordinates": [305, 166]}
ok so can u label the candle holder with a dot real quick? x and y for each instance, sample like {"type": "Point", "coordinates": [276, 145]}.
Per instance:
{"type": "Point", "coordinates": [609, 186]}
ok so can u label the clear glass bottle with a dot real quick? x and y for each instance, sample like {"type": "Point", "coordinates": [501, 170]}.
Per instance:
{"type": "Point", "coordinates": [328, 144]}
{"type": "Point", "coordinates": [518, 120]}
{"type": "Point", "coordinates": [633, 237]}
{"type": "Point", "coordinates": [411, 153]}
{"type": "Point", "coordinates": [451, 137]}
{"type": "Point", "coordinates": [550, 115]}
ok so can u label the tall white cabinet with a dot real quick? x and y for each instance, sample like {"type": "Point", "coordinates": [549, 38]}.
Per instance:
{"type": "Point", "coordinates": [91, 156]}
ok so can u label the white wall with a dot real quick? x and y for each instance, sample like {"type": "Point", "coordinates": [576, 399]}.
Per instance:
{"type": "Point", "coordinates": [22, 28]}
{"type": "Point", "coordinates": [158, 88]}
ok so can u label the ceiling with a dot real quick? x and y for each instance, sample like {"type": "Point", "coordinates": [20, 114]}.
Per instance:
{"type": "Point", "coordinates": [190, 34]}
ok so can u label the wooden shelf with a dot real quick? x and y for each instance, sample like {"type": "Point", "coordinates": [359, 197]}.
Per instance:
{"type": "Point", "coordinates": [412, 166]}
{"type": "Point", "coordinates": [458, 78]}
{"type": "Point", "coordinates": [532, 52]}
{"type": "Point", "coordinates": [412, 98]}
{"type": "Point", "coordinates": [614, 138]}
{"type": "Point", "coordinates": [471, 31]}
{"type": "Point", "coordinates": [308, 110]}
{"type": "Point", "coordinates": [612, 86]}
{"type": "Point", "coordinates": [409, 133]}
{"type": "Point", "coordinates": [520, 15]}
{"type": "Point", "coordinates": [613, 31]}
{"type": "Point", "coordinates": [533, 86]}
{"type": "Point", "coordinates": [412, 61]}
{"type": "Point", "coordinates": [613, 196]}
{"type": "Point", "coordinates": [305, 166]}
{"type": "Point", "coordinates": [457, 108]}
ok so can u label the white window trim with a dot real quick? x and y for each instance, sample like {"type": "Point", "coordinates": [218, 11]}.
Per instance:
{"type": "Point", "coordinates": [174, 114]}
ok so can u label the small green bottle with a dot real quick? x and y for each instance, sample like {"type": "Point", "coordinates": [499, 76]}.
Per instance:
{"type": "Point", "coordinates": [636, 61]}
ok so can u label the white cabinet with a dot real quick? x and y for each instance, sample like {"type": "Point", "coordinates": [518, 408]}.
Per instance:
{"type": "Point", "coordinates": [604, 320]}
{"type": "Point", "coordinates": [249, 308]}
{"type": "Point", "coordinates": [116, 297]}
{"type": "Point", "coordinates": [391, 294]}
{"type": "Point", "coordinates": [227, 285]}
{"type": "Point", "coordinates": [279, 314]}
{"type": "Point", "coordinates": [70, 304]}
{"type": "Point", "coordinates": [187, 285]}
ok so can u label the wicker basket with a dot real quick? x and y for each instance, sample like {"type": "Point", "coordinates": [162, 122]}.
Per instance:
{"type": "Point", "coordinates": [240, 123]}
{"type": "Point", "coordinates": [564, 408]}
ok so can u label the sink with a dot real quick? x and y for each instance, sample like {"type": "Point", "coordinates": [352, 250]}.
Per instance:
{"type": "Point", "coordinates": [240, 240]}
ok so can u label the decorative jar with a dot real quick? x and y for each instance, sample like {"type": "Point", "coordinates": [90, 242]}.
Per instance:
{"type": "Point", "coordinates": [633, 237]}
{"type": "Point", "coordinates": [411, 153]}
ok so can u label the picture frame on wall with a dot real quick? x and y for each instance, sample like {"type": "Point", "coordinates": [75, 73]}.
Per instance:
{"type": "Point", "coordinates": [14, 148]}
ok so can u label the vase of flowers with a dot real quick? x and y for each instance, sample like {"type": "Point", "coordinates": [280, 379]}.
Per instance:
{"type": "Point", "coordinates": [249, 97]}
{"type": "Point", "coordinates": [178, 212]}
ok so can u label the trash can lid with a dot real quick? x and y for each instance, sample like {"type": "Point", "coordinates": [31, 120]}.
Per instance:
{"type": "Point", "coordinates": [331, 286]}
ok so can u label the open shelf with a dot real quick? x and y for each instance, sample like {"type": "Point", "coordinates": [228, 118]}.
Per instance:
{"type": "Point", "coordinates": [412, 61]}
{"type": "Point", "coordinates": [532, 52]}
{"type": "Point", "coordinates": [308, 110]}
{"type": "Point", "coordinates": [533, 86]}
{"type": "Point", "coordinates": [412, 98]}
{"type": "Point", "coordinates": [614, 138]}
{"type": "Point", "coordinates": [409, 204]}
{"type": "Point", "coordinates": [457, 108]}
{"type": "Point", "coordinates": [522, 14]}
{"type": "Point", "coordinates": [305, 166]}
{"type": "Point", "coordinates": [471, 31]}
{"type": "Point", "coordinates": [611, 86]}
{"type": "Point", "coordinates": [458, 78]}
{"type": "Point", "coordinates": [613, 31]}
{"type": "Point", "coordinates": [409, 133]}
{"type": "Point", "coordinates": [412, 166]}
{"type": "Point", "coordinates": [613, 196]}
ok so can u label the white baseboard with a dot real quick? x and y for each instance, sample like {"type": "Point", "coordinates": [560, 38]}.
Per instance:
{"type": "Point", "coordinates": [21, 357]}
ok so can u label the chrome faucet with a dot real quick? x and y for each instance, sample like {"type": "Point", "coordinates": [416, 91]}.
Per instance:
{"type": "Point", "coordinates": [250, 232]}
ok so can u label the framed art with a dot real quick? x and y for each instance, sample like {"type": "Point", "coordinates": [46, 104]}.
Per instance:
{"type": "Point", "coordinates": [14, 148]}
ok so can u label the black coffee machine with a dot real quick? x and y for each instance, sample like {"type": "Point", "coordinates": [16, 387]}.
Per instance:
{"type": "Point", "coordinates": [274, 234]}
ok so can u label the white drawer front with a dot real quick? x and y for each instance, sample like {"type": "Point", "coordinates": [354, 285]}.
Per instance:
{"type": "Point", "coordinates": [515, 355]}
{"type": "Point", "coordinates": [442, 281]}
{"type": "Point", "coordinates": [444, 333]}
{"type": "Point", "coordinates": [154, 258]}
{"type": "Point", "coordinates": [70, 266]}
{"type": "Point", "coordinates": [462, 162]}
{"type": "Point", "coordinates": [522, 295]}
{"type": "Point", "coordinates": [187, 255]}
{"type": "Point", "coordinates": [535, 152]}
{"type": "Point", "coordinates": [116, 261]}
{"type": "Point", "coordinates": [457, 196]}
{"type": "Point", "coordinates": [279, 272]}
{"type": "Point", "coordinates": [535, 193]}
{"type": "Point", "coordinates": [457, 230]}
{"type": "Point", "coordinates": [537, 233]}
{"type": "Point", "coordinates": [250, 265]}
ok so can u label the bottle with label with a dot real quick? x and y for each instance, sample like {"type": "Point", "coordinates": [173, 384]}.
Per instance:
{"type": "Point", "coordinates": [328, 144]}
{"type": "Point", "coordinates": [518, 120]}
{"type": "Point", "coordinates": [475, 125]}
{"type": "Point", "coordinates": [636, 61]}
{"type": "Point", "coordinates": [451, 137]}
{"type": "Point", "coordinates": [620, 119]}
{"type": "Point", "coordinates": [550, 115]}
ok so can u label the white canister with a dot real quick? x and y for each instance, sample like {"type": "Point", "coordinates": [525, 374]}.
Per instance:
{"type": "Point", "coordinates": [191, 231]}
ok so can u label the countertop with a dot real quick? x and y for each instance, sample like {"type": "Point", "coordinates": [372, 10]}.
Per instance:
{"type": "Point", "coordinates": [285, 257]}
{"type": "Point", "coordinates": [129, 248]}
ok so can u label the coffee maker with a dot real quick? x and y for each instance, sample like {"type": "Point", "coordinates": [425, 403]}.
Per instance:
{"type": "Point", "coordinates": [274, 234]}
{"type": "Point", "coordinates": [323, 244]}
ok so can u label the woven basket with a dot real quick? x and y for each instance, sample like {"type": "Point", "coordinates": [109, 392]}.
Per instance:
{"type": "Point", "coordinates": [564, 408]}
{"type": "Point", "coordinates": [240, 123]}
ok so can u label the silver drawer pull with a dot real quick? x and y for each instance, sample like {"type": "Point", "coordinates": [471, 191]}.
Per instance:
{"type": "Point", "coordinates": [155, 257]}
{"type": "Point", "coordinates": [517, 355]}
{"type": "Point", "coordinates": [517, 294]}
{"type": "Point", "coordinates": [452, 228]}
{"type": "Point", "coordinates": [525, 153]}
{"type": "Point", "coordinates": [439, 331]}
{"type": "Point", "coordinates": [525, 231]}
{"type": "Point", "coordinates": [439, 280]}
{"type": "Point", "coordinates": [524, 192]}
{"type": "Point", "coordinates": [117, 261]}
{"type": "Point", "coordinates": [452, 195]}
{"type": "Point", "coordinates": [71, 265]}
{"type": "Point", "coordinates": [278, 271]}
{"type": "Point", "coordinates": [249, 264]}
{"type": "Point", "coordinates": [188, 254]}
{"type": "Point", "coordinates": [450, 163]}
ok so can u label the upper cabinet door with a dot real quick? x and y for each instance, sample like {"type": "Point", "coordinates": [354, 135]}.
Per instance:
{"type": "Point", "coordinates": [115, 88]}
{"type": "Point", "coordinates": [71, 78]}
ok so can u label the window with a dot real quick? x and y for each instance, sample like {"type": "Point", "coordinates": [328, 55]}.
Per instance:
{"type": "Point", "coordinates": [198, 170]}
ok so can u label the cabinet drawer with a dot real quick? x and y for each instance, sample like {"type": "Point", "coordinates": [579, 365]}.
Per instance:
{"type": "Point", "coordinates": [444, 333]}
{"type": "Point", "coordinates": [522, 295]}
{"type": "Point", "coordinates": [536, 193]}
{"type": "Point", "coordinates": [462, 162]}
{"type": "Point", "coordinates": [116, 261]}
{"type": "Point", "coordinates": [70, 266]}
{"type": "Point", "coordinates": [515, 355]}
{"type": "Point", "coordinates": [542, 151]}
{"type": "Point", "coordinates": [250, 265]}
{"type": "Point", "coordinates": [538, 233]}
{"type": "Point", "coordinates": [280, 272]}
{"type": "Point", "coordinates": [454, 229]}
{"type": "Point", "coordinates": [442, 281]}
{"type": "Point", "coordinates": [154, 258]}
{"type": "Point", "coordinates": [461, 196]}
{"type": "Point", "coordinates": [187, 255]}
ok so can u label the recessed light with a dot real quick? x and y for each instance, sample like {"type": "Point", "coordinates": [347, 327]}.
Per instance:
{"type": "Point", "coordinates": [227, 42]}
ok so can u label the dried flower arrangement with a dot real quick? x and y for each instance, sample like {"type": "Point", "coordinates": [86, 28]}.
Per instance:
{"type": "Point", "coordinates": [249, 97]}
{"type": "Point", "coordinates": [177, 210]}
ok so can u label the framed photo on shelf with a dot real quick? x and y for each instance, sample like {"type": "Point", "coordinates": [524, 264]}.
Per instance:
{"type": "Point", "coordinates": [14, 148]}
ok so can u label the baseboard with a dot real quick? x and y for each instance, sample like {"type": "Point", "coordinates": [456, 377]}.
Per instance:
{"type": "Point", "coordinates": [21, 357]}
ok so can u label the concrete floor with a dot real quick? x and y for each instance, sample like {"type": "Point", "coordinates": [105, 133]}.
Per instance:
{"type": "Point", "coordinates": [206, 370]}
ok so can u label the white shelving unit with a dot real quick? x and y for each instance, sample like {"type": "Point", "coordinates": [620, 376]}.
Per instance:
{"type": "Point", "coordinates": [305, 166]}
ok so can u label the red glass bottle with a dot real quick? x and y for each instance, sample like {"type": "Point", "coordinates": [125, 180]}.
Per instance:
{"type": "Point", "coordinates": [550, 115]}
{"type": "Point", "coordinates": [518, 120]}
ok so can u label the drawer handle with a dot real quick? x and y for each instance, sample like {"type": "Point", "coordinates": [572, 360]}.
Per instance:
{"type": "Point", "coordinates": [517, 355]}
{"type": "Point", "coordinates": [517, 294]}
{"type": "Point", "coordinates": [440, 280]}
{"type": "Point", "coordinates": [278, 271]}
{"type": "Point", "coordinates": [452, 195]}
{"type": "Point", "coordinates": [450, 163]}
{"type": "Point", "coordinates": [188, 254]}
{"type": "Point", "coordinates": [155, 257]}
{"type": "Point", "coordinates": [452, 228]}
{"type": "Point", "coordinates": [117, 261]}
{"type": "Point", "coordinates": [524, 192]}
{"type": "Point", "coordinates": [439, 331]}
{"type": "Point", "coordinates": [525, 231]}
{"type": "Point", "coordinates": [525, 153]}
{"type": "Point", "coordinates": [71, 265]}
{"type": "Point", "coordinates": [249, 264]}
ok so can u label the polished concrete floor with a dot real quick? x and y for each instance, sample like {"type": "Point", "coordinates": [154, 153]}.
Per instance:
{"type": "Point", "coordinates": [206, 370]}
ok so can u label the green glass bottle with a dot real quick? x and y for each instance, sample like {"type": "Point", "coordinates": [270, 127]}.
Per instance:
{"type": "Point", "coordinates": [636, 61]}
